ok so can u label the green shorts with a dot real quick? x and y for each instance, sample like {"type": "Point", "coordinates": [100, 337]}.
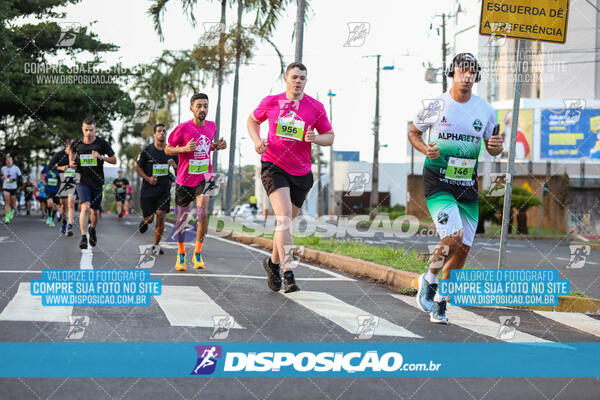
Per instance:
{"type": "Point", "coordinates": [450, 215]}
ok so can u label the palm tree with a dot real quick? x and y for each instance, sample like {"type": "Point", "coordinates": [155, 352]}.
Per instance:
{"type": "Point", "coordinates": [157, 10]}
{"type": "Point", "coordinates": [267, 16]}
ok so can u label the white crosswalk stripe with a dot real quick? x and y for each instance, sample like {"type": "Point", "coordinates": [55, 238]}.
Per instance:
{"type": "Point", "coordinates": [343, 314]}
{"type": "Point", "coordinates": [574, 320]}
{"type": "Point", "coordinates": [474, 322]}
{"type": "Point", "coordinates": [190, 306]}
{"type": "Point", "coordinates": [25, 307]}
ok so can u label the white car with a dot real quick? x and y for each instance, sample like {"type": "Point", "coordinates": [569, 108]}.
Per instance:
{"type": "Point", "coordinates": [245, 210]}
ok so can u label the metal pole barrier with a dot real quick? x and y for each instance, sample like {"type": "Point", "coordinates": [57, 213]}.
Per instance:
{"type": "Point", "coordinates": [506, 214]}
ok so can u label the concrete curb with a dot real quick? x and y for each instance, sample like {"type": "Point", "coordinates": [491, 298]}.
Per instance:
{"type": "Point", "coordinates": [389, 276]}
{"type": "Point", "coordinates": [525, 237]}
{"type": "Point", "coordinates": [399, 279]}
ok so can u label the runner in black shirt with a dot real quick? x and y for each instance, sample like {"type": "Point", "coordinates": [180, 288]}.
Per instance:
{"type": "Point", "coordinates": [120, 186]}
{"type": "Point", "coordinates": [28, 189]}
{"type": "Point", "coordinates": [68, 179]}
{"type": "Point", "coordinates": [87, 157]}
{"type": "Point", "coordinates": [155, 194]}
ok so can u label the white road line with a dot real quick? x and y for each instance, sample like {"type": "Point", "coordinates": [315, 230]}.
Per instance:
{"type": "Point", "coordinates": [344, 314]}
{"type": "Point", "coordinates": [338, 276]}
{"type": "Point", "coordinates": [474, 322]}
{"type": "Point", "coordinates": [197, 274]}
{"type": "Point", "coordinates": [591, 263]}
{"type": "Point", "coordinates": [86, 259]}
{"type": "Point", "coordinates": [562, 258]}
{"type": "Point", "coordinates": [574, 320]}
{"type": "Point", "coordinates": [25, 307]}
{"type": "Point", "coordinates": [190, 306]}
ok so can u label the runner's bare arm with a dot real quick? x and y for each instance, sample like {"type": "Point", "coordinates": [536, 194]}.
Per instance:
{"type": "Point", "coordinates": [174, 150]}
{"type": "Point", "coordinates": [111, 160]}
{"type": "Point", "coordinates": [71, 159]}
{"type": "Point", "coordinates": [322, 139]}
{"type": "Point", "coordinates": [415, 137]}
{"type": "Point", "coordinates": [141, 172]}
{"type": "Point", "coordinates": [254, 130]}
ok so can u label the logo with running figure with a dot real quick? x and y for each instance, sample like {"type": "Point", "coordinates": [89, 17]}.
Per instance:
{"type": "Point", "coordinates": [508, 327]}
{"type": "Point", "coordinates": [207, 359]}
{"type": "Point", "coordinates": [68, 33]}
{"type": "Point", "coordinates": [477, 125]}
{"type": "Point", "coordinates": [431, 112]}
{"type": "Point", "coordinates": [579, 254]}
{"type": "Point", "coordinates": [442, 217]}
{"type": "Point", "coordinates": [203, 147]}
{"type": "Point", "coordinates": [357, 34]}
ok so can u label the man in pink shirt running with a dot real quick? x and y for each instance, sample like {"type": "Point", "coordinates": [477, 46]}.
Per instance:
{"type": "Point", "coordinates": [192, 142]}
{"type": "Point", "coordinates": [286, 166]}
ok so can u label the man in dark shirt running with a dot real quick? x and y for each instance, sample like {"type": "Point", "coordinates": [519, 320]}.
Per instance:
{"type": "Point", "coordinates": [155, 194]}
{"type": "Point", "coordinates": [87, 156]}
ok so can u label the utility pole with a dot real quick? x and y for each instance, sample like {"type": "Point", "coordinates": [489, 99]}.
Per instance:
{"type": "Point", "coordinates": [374, 201]}
{"type": "Point", "coordinates": [240, 174]}
{"type": "Point", "coordinates": [300, 30]}
{"type": "Point", "coordinates": [236, 85]}
{"type": "Point", "coordinates": [444, 78]}
{"type": "Point", "coordinates": [332, 207]}
{"type": "Point", "coordinates": [507, 209]}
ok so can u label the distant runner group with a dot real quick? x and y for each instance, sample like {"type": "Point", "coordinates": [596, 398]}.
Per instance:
{"type": "Point", "coordinates": [296, 121]}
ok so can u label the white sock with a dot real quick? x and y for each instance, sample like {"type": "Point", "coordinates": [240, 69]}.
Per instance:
{"type": "Point", "coordinates": [439, 298]}
{"type": "Point", "coordinates": [431, 278]}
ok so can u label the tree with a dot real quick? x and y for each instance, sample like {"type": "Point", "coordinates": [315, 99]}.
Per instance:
{"type": "Point", "coordinates": [490, 208]}
{"type": "Point", "coordinates": [45, 92]}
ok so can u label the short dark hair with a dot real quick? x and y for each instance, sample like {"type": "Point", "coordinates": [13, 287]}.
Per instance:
{"type": "Point", "coordinates": [89, 121]}
{"type": "Point", "coordinates": [293, 65]}
{"type": "Point", "coordinates": [197, 96]}
{"type": "Point", "coordinates": [157, 125]}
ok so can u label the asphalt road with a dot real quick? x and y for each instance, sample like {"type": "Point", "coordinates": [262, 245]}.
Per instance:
{"type": "Point", "coordinates": [233, 285]}
{"type": "Point", "coordinates": [521, 253]}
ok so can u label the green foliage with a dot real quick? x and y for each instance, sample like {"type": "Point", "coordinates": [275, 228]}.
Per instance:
{"type": "Point", "coordinates": [43, 93]}
{"type": "Point", "coordinates": [490, 207]}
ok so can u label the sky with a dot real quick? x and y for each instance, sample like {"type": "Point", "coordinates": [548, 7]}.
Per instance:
{"type": "Point", "coordinates": [401, 34]}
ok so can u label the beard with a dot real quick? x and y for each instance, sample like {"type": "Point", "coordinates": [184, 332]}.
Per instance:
{"type": "Point", "coordinates": [201, 117]}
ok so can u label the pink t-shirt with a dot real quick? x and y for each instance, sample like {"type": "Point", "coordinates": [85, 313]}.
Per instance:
{"type": "Point", "coordinates": [196, 166]}
{"type": "Point", "coordinates": [288, 123]}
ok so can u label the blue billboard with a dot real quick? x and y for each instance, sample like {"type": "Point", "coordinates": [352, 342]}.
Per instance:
{"type": "Point", "coordinates": [570, 133]}
{"type": "Point", "coordinates": [347, 156]}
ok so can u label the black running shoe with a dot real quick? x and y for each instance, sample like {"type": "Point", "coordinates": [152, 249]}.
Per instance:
{"type": "Point", "coordinates": [93, 238]}
{"type": "Point", "coordinates": [289, 282]}
{"type": "Point", "coordinates": [83, 243]}
{"type": "Point", "coordinates": [143, 227]}
{"type": "Point", "coordinates": [63, 229]}
{"type": "Point", "coordinates": [69, 230]}
{"type": "Point", "coordinates": [273, 275]}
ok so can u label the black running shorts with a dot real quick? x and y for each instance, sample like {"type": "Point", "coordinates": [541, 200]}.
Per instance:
{"type": "Point", "coordinates": [274, 177]}
{"type": "Point", "coordinates": [150, 204]}
{"type": "Point", "coordinates": [184, 195]}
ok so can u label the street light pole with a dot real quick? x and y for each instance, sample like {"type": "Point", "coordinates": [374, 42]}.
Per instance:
{"type": "Point", "coordinates": [375, 172]}
{"type": "Point", "coordinates": [332, 207]}
{"type": "Point", "coordinates": [444, 78]}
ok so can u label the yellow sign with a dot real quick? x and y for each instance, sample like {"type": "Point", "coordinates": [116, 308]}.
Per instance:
{"type": "Point", "coordinates": [543, 20]}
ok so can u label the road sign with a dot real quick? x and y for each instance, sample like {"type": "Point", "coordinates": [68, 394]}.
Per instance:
{"type": "Point", "coordinates": [543, 20]}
